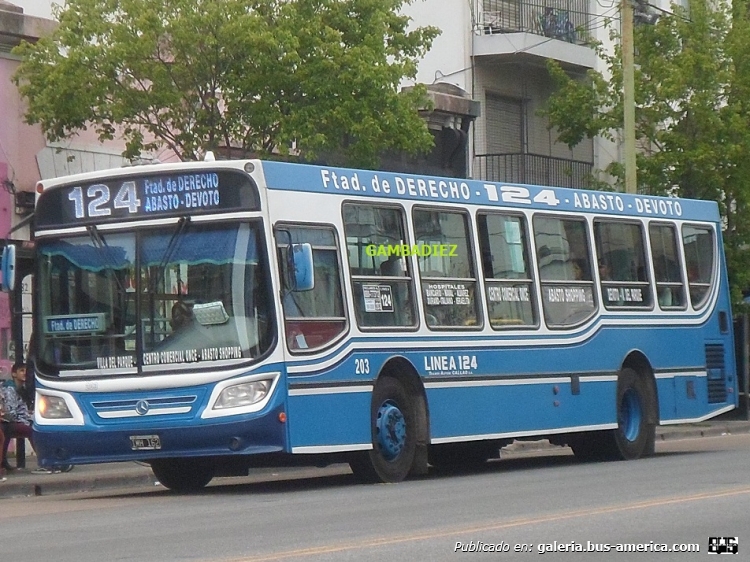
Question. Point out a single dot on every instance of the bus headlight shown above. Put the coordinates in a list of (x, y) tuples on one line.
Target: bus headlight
[(244, 394), (52, 407)]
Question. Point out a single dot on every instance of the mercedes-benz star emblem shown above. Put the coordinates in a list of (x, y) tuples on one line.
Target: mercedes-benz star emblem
[(141, 407)]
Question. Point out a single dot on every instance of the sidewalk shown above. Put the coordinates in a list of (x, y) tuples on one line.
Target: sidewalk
[(24, 482), (134, 475)]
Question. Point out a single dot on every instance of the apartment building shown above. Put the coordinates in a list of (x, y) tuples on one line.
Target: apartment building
[(497, 51)]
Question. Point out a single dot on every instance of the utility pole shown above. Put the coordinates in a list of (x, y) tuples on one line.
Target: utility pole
[(628, 98)]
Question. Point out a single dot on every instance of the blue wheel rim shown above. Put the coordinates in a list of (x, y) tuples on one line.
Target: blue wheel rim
[(629, 415), (391, 430)]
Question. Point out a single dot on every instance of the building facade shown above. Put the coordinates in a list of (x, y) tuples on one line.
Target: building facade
[(25, 158), (497, 51)]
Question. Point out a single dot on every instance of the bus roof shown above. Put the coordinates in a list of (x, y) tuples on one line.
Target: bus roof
[(460, 191), (429, 189)]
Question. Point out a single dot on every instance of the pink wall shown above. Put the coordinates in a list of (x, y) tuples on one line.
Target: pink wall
[(19, 142), (5, 200), (19, 145), (5, 211)]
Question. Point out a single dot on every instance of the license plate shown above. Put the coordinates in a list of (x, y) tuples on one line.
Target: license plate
[(145, 442)]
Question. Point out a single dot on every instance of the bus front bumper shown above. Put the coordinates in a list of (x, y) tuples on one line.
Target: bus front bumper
[(55, 445)]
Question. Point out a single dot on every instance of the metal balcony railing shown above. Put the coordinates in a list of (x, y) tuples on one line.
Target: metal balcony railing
[(532, 169), (565, 20)]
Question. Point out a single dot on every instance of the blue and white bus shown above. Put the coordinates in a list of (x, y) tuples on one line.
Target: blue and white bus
[(214, 316)]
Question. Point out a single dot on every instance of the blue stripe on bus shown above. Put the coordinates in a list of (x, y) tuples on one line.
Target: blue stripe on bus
[(516, 338)]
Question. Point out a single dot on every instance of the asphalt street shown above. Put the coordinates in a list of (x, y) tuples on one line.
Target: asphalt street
[(25, 482)]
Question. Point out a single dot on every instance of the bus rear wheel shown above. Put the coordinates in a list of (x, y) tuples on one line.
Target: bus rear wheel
[(636, 431), (393, 423), (635, 435), (183, 475)]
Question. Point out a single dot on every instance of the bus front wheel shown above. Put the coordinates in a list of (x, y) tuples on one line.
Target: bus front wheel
[(393, 423), (183, 475)]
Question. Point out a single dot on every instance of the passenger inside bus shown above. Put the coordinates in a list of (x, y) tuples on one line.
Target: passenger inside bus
[(394, 266), (604, 272), (665, 297), (181, 315)]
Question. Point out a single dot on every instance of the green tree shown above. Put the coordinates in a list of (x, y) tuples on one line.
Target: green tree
[(692, 81), (240, 77)]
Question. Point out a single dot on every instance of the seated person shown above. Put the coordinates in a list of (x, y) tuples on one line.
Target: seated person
[(18, 416), (665, 296), (394, 266), (181, 315), (605, 274), (2, 453)]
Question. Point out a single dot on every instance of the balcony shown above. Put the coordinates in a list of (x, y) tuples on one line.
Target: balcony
[(548, 29), (532, 169)]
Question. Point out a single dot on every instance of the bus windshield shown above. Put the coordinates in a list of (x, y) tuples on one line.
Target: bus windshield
[(190, 293)]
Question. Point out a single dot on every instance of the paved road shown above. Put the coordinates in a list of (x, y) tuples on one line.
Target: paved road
[(691, 490), (133, 475)]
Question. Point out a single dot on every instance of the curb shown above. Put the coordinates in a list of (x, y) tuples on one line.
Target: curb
[(663, 433), (69, 485), (688, 432)]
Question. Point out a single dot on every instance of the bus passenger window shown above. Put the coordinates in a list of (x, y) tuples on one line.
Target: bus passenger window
[(446, 265), (315, 318), (564, 263), (379, 266), (622, 263), (698, 243), (505, 265), (670, 287)]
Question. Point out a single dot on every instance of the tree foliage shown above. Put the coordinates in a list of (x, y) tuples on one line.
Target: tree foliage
[(246, 77), (692, 76)]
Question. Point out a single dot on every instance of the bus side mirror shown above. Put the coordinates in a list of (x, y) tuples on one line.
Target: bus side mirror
[(302, 267), (8, 268)]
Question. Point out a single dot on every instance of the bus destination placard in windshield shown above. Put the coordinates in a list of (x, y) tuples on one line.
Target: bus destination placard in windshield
[(153, 195), (75, 324)]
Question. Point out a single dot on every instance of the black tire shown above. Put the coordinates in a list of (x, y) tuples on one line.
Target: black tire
[(183, 475), (635, 435), (393, 423)]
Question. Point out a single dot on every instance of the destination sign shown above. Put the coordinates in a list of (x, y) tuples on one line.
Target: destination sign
[(75, 324), (464, 191), (153, 195)]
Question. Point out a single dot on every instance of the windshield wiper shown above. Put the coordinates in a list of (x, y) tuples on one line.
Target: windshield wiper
[(171, 245), (101, 244)]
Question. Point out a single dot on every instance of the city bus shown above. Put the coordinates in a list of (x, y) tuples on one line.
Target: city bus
[(211, 317)]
